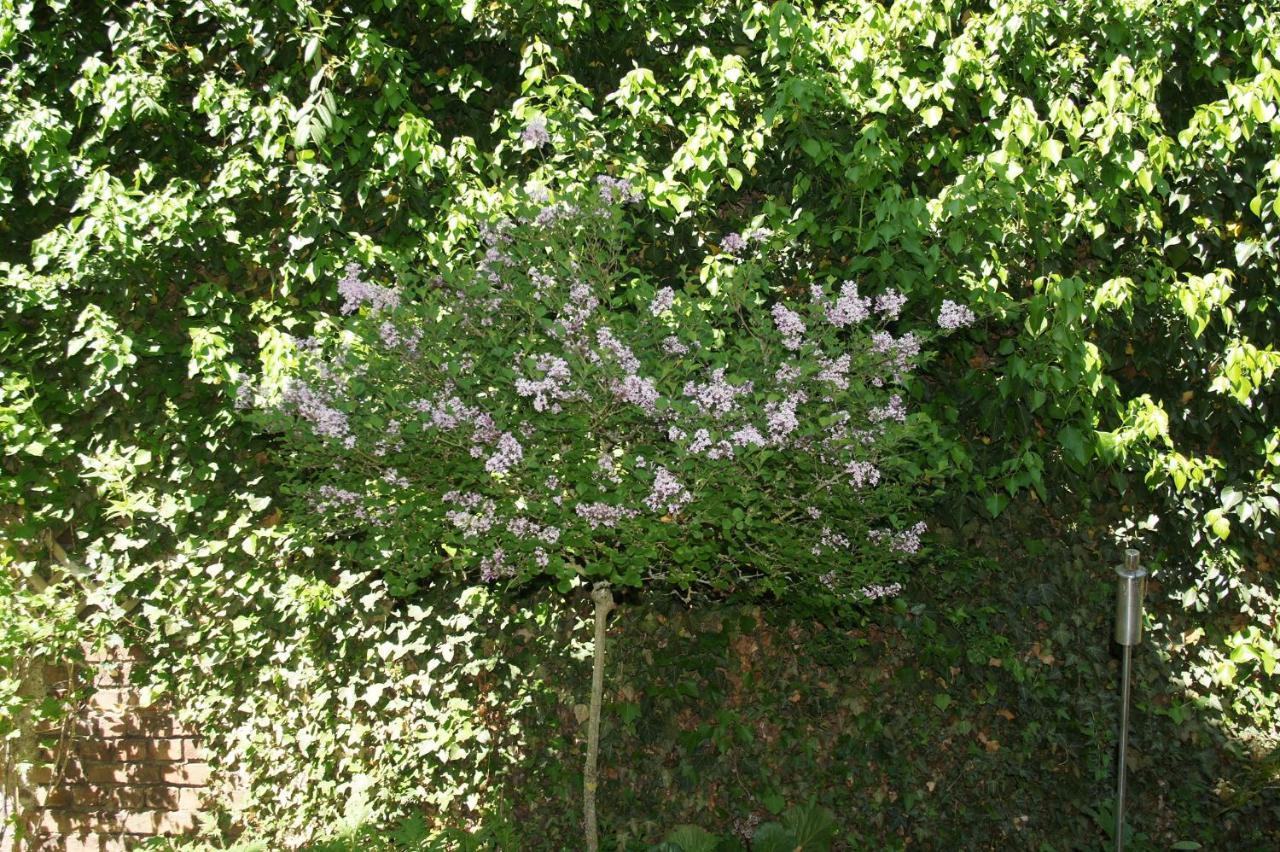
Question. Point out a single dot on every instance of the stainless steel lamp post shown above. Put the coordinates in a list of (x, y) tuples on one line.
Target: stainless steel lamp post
[(1131, 586)]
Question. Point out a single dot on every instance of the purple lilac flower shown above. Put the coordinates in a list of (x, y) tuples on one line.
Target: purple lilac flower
[(896, 410), (890, 303), (747, 436), (616, 349), (877, 591), (721, 449), (325, 420), (781, 416), (733, 243), (608, 468), (908, 541), (356, 292), (541, 558), (830, 540), (813, 512), (508, 455), (393, 339), (465, 499), (849, 308), (900, 351), (581, 305), (862, 474), (717, 397), (542, 282), (835, 371), (667, 493), (535, 133), (639, 391), (602, 514), (953, 315), (701, 441), (391, 476), (786, 374), (244, 395), (552, 388), (553, 213), (662, 301), (789, 325), (473, 524), (617, 189), (673, 346), (333, 497), (495, 566)]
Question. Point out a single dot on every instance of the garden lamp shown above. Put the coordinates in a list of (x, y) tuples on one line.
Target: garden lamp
[(1130, 587)]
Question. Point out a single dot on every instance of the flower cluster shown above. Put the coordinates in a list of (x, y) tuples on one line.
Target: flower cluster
[(550, 390), (355, 292), (954, 315), (790, 325), (535, 133)]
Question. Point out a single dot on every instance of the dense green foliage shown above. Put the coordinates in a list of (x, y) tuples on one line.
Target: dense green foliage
[(978, 711), (182, 181)]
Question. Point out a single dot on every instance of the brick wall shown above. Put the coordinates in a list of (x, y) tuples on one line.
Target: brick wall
[(127, 772)]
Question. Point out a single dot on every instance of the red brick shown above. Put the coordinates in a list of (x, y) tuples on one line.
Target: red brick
[(187, 774), (127, 773), (88, 843), (113, 698), (168, 749), (177, 798), (157, 822), (41, 774), (58, 797), (61, 822), (132, 723)]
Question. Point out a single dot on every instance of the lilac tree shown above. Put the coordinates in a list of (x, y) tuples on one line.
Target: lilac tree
[(548, 412)]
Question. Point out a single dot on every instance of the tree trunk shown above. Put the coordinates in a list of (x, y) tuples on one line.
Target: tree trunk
[(604, 604)]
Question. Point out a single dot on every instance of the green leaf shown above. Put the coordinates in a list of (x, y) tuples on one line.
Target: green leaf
[(691, 838), (772, 837), (812, 827)]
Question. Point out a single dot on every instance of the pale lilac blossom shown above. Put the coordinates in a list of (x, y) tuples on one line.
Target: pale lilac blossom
[(789, 325), (603, 515), (535, 133), (733, 243), (874, 591), (356, 292), (954, 315), (672, 345), (550, 390), (889, 304), (895, 410), (617, 189), (508, 455), (662, 301), (667, 493), (849, 308), (717, 397)]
